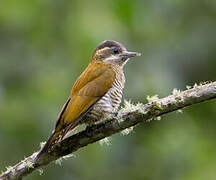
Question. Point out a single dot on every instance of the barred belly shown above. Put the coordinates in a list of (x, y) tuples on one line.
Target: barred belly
[(109, 103)]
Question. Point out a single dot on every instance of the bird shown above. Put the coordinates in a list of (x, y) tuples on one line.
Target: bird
[(96, 93)]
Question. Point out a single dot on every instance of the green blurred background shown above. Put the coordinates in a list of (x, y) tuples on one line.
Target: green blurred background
[(46, 44)]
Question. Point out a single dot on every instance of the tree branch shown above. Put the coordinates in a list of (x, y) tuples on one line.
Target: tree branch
[(127, 117)]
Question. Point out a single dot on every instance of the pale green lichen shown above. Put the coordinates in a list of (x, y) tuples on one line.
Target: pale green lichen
[(69, 156), (40, 171), (42, 144), (205, 82), (11, 169), (164, 102), (195, 85), (188, 87), (152, 98), (157, 106), (130, 107), (127, 131), (59, 161), (179, 111), (176, 92), (140, 108), (29, 164), (150, 119), (105, 141), (158, 118)]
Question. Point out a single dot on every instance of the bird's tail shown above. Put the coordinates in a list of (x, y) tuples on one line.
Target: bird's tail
[(53, 139), (57, 135)]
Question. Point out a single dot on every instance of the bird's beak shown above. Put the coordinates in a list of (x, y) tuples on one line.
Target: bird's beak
[(130, 54)]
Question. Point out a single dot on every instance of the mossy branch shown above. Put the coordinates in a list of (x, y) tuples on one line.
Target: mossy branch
[(127, 117)]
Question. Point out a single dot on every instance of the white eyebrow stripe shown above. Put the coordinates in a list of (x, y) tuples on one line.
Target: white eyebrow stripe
[(105, 48)]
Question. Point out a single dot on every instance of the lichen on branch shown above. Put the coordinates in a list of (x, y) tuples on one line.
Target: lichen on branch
[(129, 116)]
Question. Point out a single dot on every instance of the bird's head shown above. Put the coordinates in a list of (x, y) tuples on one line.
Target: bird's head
[(113, 52)]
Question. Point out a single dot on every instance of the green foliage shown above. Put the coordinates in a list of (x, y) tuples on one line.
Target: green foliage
[(45, 45)]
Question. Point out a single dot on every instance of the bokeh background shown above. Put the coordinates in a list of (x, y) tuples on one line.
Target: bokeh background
[(46, 44)]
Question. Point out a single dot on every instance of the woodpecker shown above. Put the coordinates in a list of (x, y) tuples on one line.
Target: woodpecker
[(96, 93)]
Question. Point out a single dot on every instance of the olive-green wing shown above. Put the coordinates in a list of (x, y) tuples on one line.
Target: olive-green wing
[(93, 83)]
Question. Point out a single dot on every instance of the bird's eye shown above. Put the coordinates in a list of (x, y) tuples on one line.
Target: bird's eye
[(115, 50)]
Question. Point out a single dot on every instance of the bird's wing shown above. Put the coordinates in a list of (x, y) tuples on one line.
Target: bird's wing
[(92, 84)]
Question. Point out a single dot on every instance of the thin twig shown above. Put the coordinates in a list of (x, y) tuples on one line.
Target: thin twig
[(127, 117)]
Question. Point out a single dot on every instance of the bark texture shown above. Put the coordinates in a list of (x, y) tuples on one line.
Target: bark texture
[(129, 116)]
